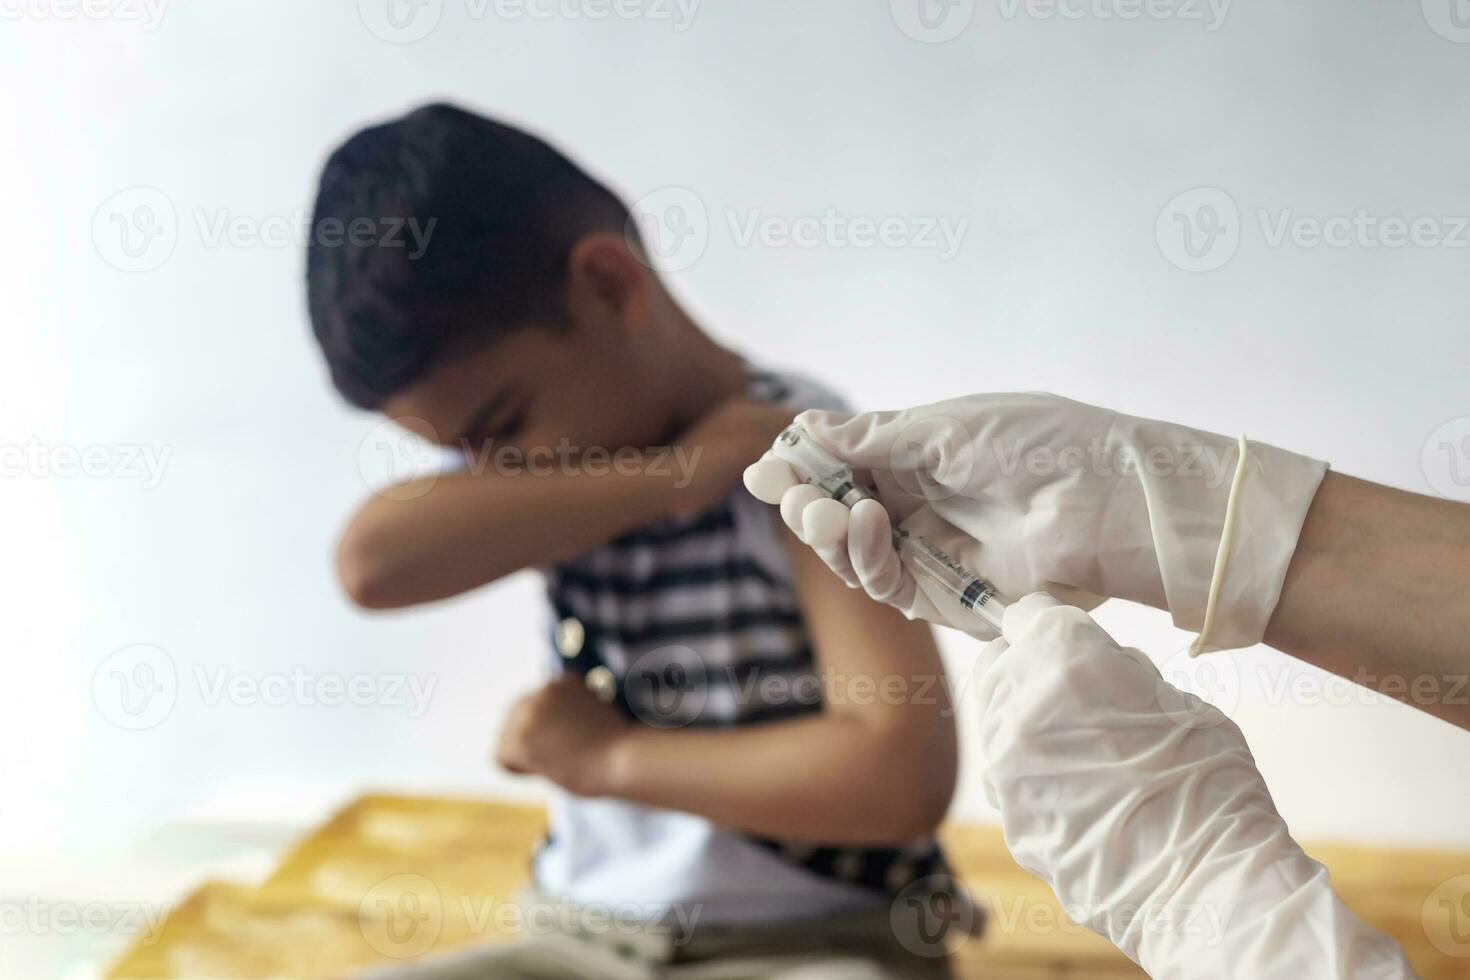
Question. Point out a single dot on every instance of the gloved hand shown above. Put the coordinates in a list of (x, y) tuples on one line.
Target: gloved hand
[(1142, 808), (1035, 492)]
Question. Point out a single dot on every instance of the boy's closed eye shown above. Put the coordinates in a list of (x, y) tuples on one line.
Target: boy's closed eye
[(499, 420)]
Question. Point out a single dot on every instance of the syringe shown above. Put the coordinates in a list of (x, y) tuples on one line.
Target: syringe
[(816, 466)]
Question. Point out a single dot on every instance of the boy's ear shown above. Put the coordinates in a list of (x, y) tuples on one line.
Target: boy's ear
[(607, 283)]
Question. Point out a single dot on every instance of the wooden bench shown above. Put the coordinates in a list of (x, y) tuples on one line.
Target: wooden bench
[(393, 877)]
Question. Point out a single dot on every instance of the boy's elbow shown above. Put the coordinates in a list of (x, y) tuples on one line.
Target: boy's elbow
[(931, 806), (367, 575), (913, 771), (918, 808), (927, 784), (908, 815)]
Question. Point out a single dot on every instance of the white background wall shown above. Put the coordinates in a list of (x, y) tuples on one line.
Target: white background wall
[(1061, 140)]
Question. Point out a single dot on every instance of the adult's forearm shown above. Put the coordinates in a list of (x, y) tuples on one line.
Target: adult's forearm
[(1378, 592)]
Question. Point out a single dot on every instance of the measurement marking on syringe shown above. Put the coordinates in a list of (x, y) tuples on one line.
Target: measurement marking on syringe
[(976, 594)]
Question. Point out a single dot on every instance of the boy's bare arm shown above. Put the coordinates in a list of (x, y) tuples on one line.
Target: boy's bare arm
[(878, 764), (466, 530)]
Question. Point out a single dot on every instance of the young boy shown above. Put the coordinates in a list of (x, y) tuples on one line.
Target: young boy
[(744, 748)]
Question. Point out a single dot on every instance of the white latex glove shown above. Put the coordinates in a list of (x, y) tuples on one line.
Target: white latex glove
[(1143, 809), (1036, 492)]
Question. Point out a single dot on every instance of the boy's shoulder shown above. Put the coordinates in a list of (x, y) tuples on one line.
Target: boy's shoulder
[(738, 528), (797, 391)]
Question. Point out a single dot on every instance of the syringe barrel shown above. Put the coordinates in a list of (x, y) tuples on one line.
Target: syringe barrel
[(968, 589), (835, 478)]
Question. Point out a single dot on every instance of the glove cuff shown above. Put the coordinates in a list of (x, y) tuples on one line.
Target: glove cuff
[(1270, 494)]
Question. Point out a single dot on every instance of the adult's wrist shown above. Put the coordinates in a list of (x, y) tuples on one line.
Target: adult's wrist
[(1264, 511)]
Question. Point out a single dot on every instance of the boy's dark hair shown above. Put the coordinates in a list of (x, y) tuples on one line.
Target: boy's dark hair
[(506, 209)]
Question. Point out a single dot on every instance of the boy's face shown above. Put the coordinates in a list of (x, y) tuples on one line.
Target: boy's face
[(579, 389)]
